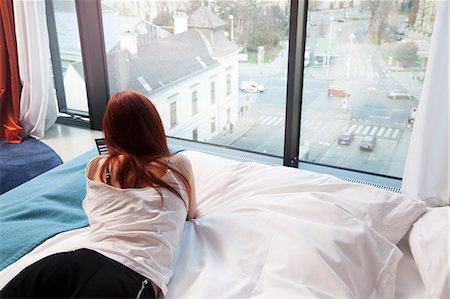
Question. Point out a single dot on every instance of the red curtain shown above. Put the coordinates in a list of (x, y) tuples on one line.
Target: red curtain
[(10, 87)]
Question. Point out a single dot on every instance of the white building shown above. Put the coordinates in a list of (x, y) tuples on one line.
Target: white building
[(191, 77)]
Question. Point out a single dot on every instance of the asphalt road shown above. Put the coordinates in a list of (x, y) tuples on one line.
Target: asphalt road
[(359, 69)]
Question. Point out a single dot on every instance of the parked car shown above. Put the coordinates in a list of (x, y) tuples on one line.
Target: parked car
[(400, 94), (368, 143), (335, 91), (346, 138), (250, 86)]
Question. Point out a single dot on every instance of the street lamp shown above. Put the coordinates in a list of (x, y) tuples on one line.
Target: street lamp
[(231, 17), (329, 46), (349, 60), (345, 103)]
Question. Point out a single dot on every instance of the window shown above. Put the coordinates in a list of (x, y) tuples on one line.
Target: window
[(173, 114), (213, 124), (165, 35), (364, 76), (212, 91), (194, 102), (195, 134), (68, 61), (228, 84), (361, 73)]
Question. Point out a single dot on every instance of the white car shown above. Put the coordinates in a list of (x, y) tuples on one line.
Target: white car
[(250, 86), (400, 94)]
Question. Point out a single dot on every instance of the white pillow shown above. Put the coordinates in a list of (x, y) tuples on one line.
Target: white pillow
[(388, 213), (429, 242)]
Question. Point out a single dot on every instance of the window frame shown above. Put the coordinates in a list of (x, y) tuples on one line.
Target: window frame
[(96, 79)]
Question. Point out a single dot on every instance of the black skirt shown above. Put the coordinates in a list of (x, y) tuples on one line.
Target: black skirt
[(81, 273)]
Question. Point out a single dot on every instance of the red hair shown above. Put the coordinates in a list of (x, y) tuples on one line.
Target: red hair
[(134, 130)]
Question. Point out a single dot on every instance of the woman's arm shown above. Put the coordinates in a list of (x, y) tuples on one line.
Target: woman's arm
[(183, 165)]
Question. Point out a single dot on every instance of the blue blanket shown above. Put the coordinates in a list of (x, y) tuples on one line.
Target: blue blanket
[(41, 208), (22, 162)]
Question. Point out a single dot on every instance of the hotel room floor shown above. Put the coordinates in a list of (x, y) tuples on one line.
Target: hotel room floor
[(69, 142)]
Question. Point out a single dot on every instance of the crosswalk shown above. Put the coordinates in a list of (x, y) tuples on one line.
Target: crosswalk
[(382, 132), (270, 120), (372, 130)]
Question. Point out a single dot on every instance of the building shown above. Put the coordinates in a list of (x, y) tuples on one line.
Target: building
[(191, 76)]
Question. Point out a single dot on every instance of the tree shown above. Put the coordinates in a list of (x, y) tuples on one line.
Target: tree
[(406, 53), (163, 19)]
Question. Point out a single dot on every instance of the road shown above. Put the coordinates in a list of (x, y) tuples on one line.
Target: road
[(357, 68)]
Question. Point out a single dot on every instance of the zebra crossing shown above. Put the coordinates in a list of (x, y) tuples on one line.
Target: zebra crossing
[(270, 120), (382, 132), (373, 130)]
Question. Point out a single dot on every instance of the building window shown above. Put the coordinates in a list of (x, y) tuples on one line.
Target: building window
[(194, 102), (228, 84), (212, 90), (173, 114), (213, 124), (195, 134)]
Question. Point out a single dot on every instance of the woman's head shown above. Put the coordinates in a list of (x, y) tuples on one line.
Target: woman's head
[(132, 126)]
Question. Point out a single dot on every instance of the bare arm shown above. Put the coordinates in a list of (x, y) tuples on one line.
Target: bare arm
[(183, 165)]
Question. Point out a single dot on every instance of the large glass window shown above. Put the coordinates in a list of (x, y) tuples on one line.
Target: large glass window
[(72, 96), (364, 66), (365, 63), (234, 52)]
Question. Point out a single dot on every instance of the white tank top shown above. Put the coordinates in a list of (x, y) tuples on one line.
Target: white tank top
[(131, 227)]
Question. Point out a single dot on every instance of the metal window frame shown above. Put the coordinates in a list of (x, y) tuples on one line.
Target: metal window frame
[(90, 26), (294, 94)]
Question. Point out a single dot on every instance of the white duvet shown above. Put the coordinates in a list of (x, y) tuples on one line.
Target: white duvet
[(274, 232)]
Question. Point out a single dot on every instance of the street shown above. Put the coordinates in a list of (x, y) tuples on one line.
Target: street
[(358, 68)]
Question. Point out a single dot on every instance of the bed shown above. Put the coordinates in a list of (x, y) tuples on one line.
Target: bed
[(261, 232)]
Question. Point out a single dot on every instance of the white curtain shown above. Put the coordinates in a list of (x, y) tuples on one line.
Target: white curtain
[(38, 106), (426, 175)]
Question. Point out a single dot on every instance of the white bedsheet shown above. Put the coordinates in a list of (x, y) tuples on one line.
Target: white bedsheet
[(257, 239)]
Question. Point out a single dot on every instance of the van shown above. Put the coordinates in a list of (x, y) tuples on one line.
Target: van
[(250, 86)]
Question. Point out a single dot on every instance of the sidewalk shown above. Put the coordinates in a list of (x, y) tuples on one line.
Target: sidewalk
[(240, 128)]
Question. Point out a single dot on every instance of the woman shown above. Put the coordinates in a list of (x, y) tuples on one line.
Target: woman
[(137, 200)]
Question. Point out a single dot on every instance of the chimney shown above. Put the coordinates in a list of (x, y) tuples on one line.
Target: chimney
[(180, 22), (128, 40)]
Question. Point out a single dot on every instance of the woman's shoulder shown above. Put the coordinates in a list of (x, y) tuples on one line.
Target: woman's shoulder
[(180, 162), (94, 165)]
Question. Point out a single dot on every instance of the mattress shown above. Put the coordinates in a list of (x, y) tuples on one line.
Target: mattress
[(261, 231)]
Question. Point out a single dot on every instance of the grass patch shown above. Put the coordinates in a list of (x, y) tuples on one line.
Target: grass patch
[(269, 56)]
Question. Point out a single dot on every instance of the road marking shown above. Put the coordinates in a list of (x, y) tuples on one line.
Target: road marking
[(388, 132), (366, 130), (352, 128), (381, 131), (264, 120), (396, 132), (372, 132), (271, 121), (278, 121), (378, 116), (358, 130)]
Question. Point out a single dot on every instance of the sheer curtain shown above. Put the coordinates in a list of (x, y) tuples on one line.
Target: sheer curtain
[(10, 128), (426, 175), (38, 106)]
